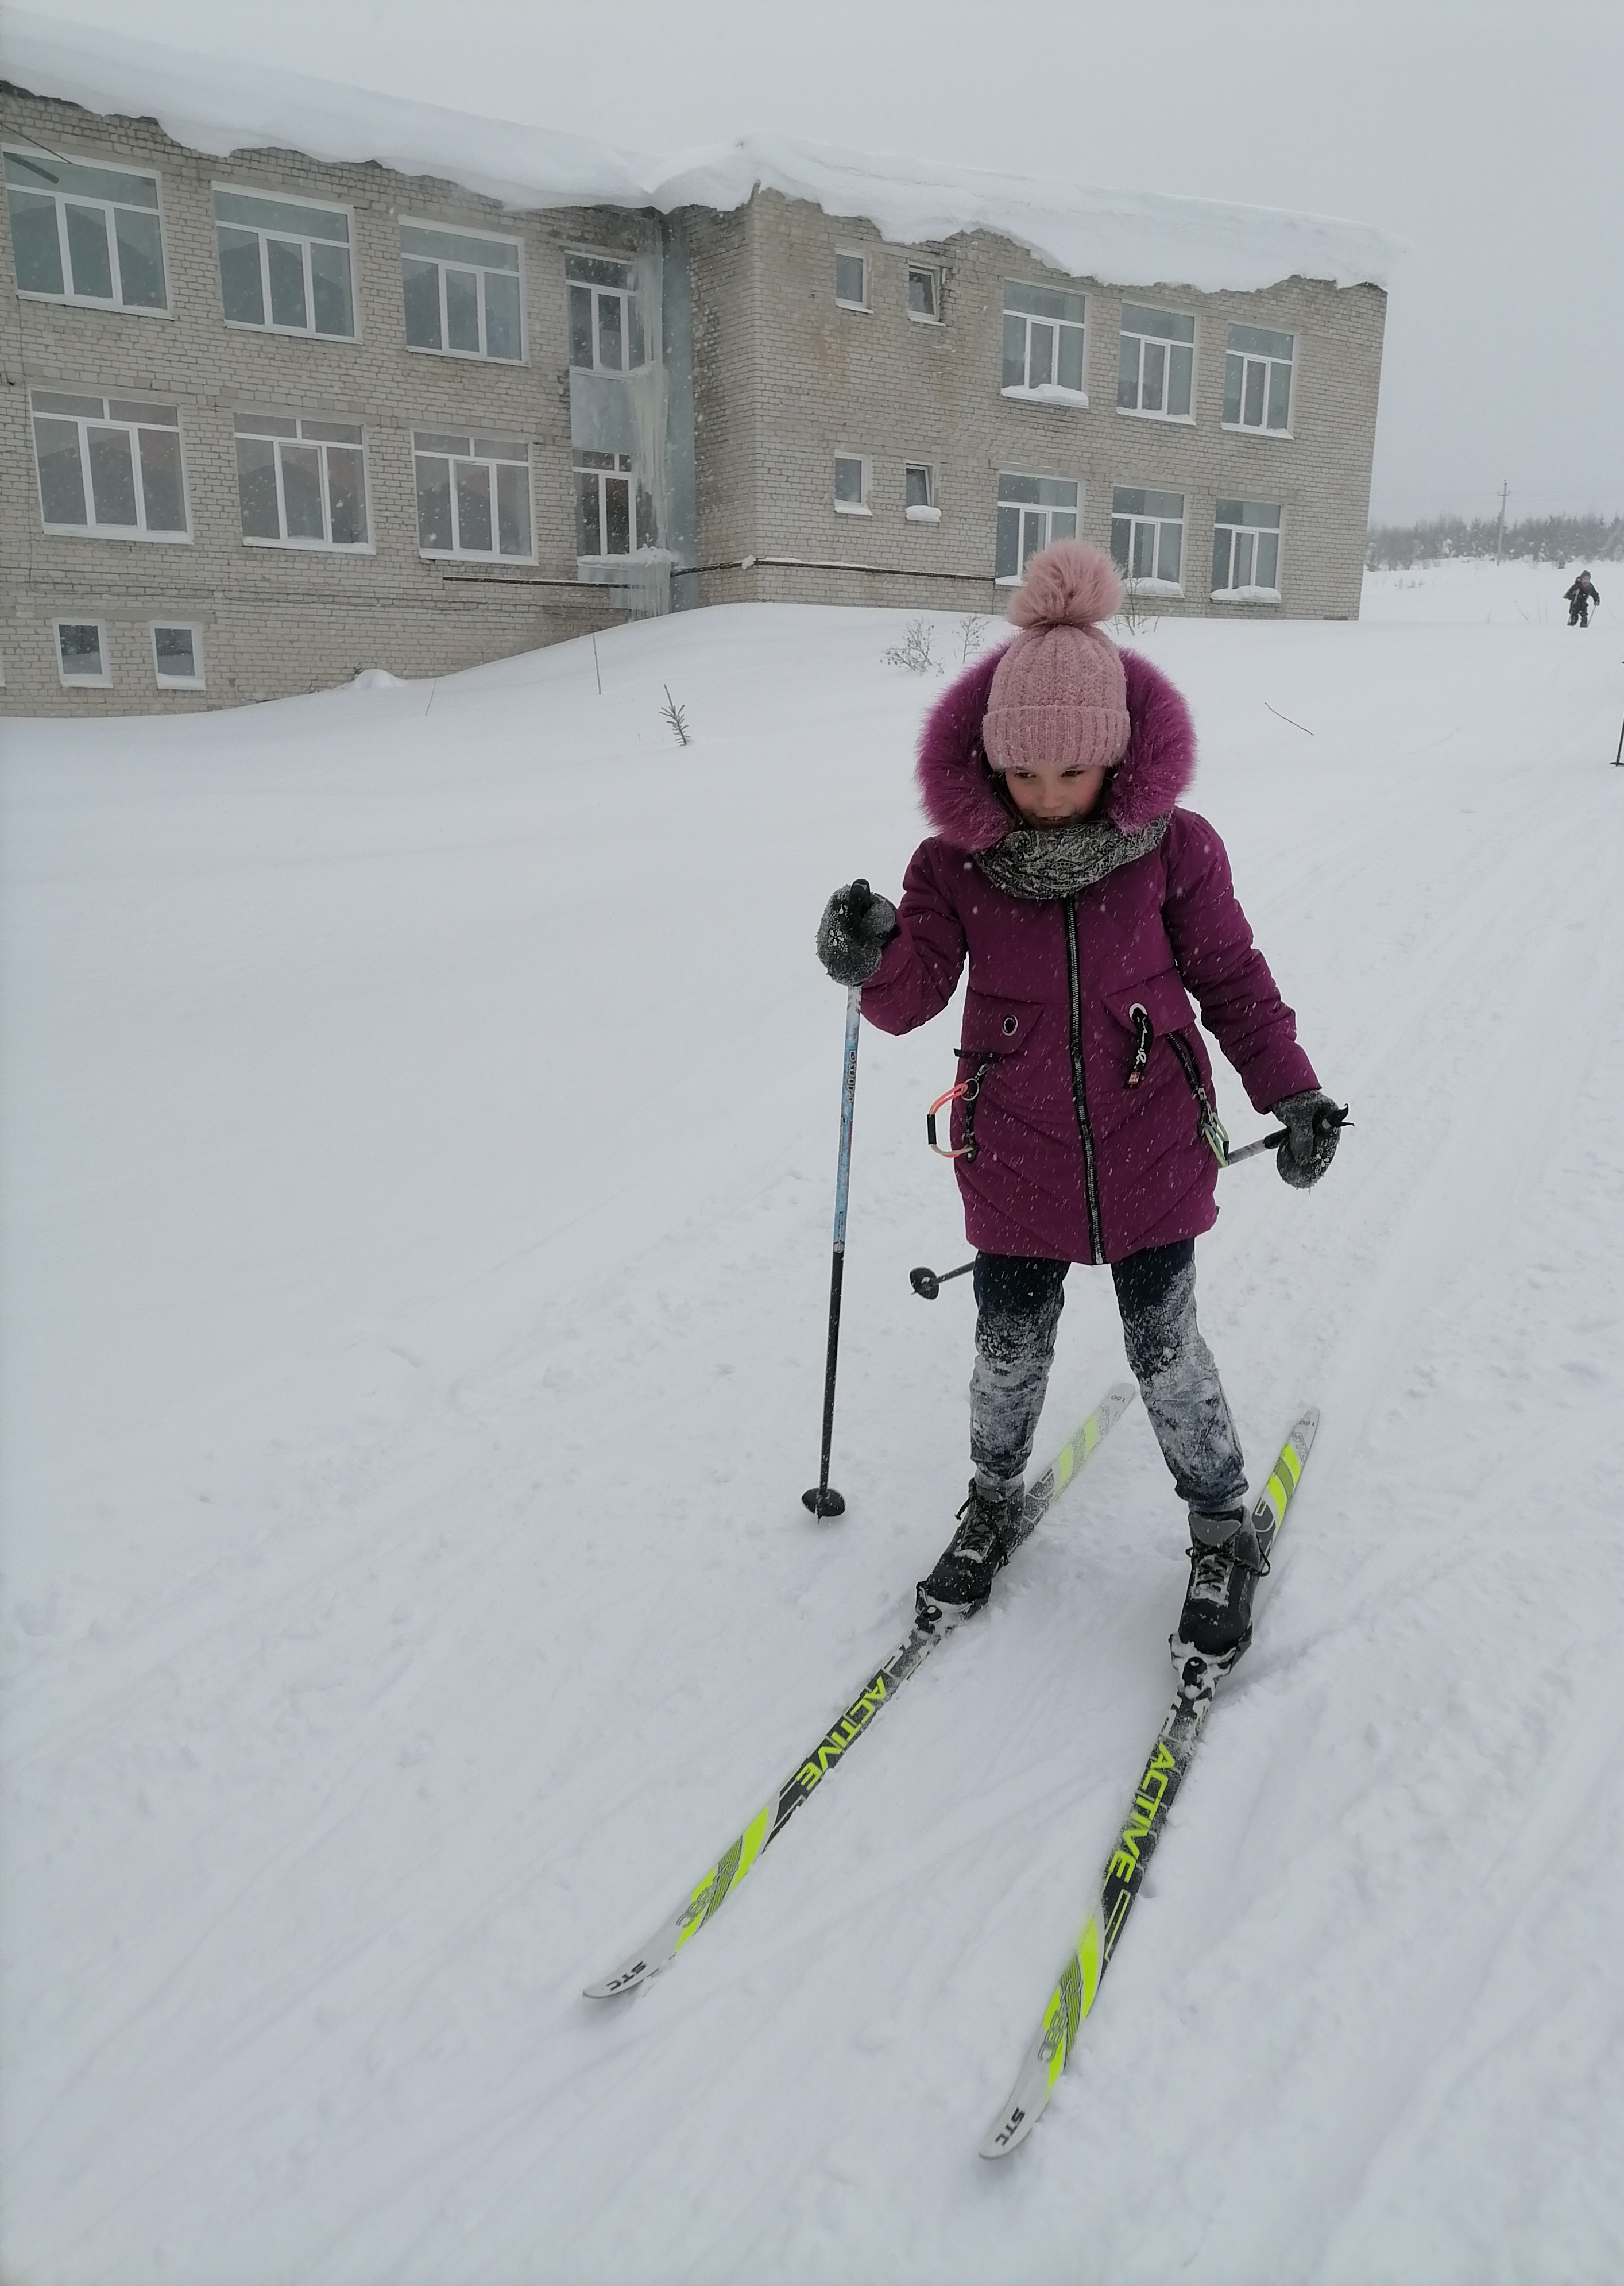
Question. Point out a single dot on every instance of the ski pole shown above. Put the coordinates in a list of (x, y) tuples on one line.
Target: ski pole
[(1251, 1150), (821, 1498), (1273, 1142), (929, 1283)]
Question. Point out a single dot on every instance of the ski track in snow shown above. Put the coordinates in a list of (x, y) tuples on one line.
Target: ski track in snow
[(418, 1137)]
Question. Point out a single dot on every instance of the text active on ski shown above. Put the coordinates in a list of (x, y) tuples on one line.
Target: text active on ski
[(1199, 1675), (707, 1898)]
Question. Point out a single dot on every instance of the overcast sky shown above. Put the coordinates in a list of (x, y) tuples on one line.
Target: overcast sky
[(1485, 132)]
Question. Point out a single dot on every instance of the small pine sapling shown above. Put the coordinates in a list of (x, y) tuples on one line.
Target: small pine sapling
[(675, 716)]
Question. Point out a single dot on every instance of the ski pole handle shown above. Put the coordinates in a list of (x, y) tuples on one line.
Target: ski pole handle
[(1273, 1142)]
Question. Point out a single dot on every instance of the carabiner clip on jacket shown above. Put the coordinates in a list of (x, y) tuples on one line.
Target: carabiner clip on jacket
[(966, 1093), (1211, 1129), (1142, 1038)]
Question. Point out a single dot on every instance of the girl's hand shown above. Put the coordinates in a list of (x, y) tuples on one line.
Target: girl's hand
[(1313, 1124), (854, 933)]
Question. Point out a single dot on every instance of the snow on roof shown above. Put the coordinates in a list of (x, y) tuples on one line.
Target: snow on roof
[(1125, 238)]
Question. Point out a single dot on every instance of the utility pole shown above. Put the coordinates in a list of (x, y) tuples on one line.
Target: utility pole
[(1500, 537)]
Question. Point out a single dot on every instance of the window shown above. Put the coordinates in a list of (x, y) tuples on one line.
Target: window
[(919, 493), (82, 654), (178, 657), (284, 265), (462, 292), (1032, 511), (473, 496), (1258, 379), (302, 483), (109, 467), (924, 293), (1155, 362), (1246, 551), (851, 485), (851, 281), (1042, 342), (606, 332), (614, 513), (83, 233), (1148, 536)]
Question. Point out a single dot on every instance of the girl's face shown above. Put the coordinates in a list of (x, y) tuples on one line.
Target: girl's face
[(1047, 793)]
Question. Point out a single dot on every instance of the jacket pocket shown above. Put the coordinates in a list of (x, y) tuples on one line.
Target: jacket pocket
[(993, 1032), (996, 1027), (1162, 998), (1146, 1013)]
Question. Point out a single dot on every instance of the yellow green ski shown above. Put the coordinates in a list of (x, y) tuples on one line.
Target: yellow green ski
[(1199, 1676), (707, 1896)]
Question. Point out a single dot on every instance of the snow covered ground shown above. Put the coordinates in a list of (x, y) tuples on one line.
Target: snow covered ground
[(1493, 595), (417, 1133)]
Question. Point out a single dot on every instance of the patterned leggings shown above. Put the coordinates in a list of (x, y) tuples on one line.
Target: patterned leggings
[(1019, 1300)]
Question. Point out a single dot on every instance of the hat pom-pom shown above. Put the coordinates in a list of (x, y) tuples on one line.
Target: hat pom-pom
[(1069, 585)]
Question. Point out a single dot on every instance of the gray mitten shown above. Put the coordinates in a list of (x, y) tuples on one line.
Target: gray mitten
[(1313, 1124), (854, 931)]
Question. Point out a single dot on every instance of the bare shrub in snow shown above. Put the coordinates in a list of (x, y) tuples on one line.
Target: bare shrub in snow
[(973, 636), (1134, 612), (916, 651)]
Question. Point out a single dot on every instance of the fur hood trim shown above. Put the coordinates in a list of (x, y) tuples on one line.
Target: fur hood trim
[(961, 794)]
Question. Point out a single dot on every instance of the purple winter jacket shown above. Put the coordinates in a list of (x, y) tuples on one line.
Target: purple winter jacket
[(1071, 1162)]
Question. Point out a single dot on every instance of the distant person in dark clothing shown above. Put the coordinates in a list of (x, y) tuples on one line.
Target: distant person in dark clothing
[(1579, 598)]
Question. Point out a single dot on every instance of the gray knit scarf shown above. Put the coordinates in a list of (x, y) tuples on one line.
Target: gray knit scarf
[(1044, 861)]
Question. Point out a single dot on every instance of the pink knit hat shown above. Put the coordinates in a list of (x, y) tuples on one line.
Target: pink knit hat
[(1059, 694)]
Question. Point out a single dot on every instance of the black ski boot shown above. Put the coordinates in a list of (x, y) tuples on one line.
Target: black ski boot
[(1217, 1617), (963, 1578)]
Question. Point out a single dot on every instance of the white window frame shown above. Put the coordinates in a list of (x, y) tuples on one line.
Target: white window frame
[(102, 682), (457, 552), (933, 271), (1042, 531), (930, 512), (109, 209), (474, 236), (624, 295), (1127, 333), (852, 254), (1252, 591), (328, 545), (264, 231), (131, 427), (1268, 360), (625, 471), (864, 507), (1150, 583), (193, 682), (1043, 392)]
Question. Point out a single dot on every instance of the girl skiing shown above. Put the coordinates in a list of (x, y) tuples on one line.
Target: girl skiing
[(1084, 1128)]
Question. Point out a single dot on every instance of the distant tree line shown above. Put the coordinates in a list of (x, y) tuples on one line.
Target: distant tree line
[(1540, 540)]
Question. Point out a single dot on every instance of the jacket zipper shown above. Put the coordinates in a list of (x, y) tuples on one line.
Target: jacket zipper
[(1079, 1086)]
